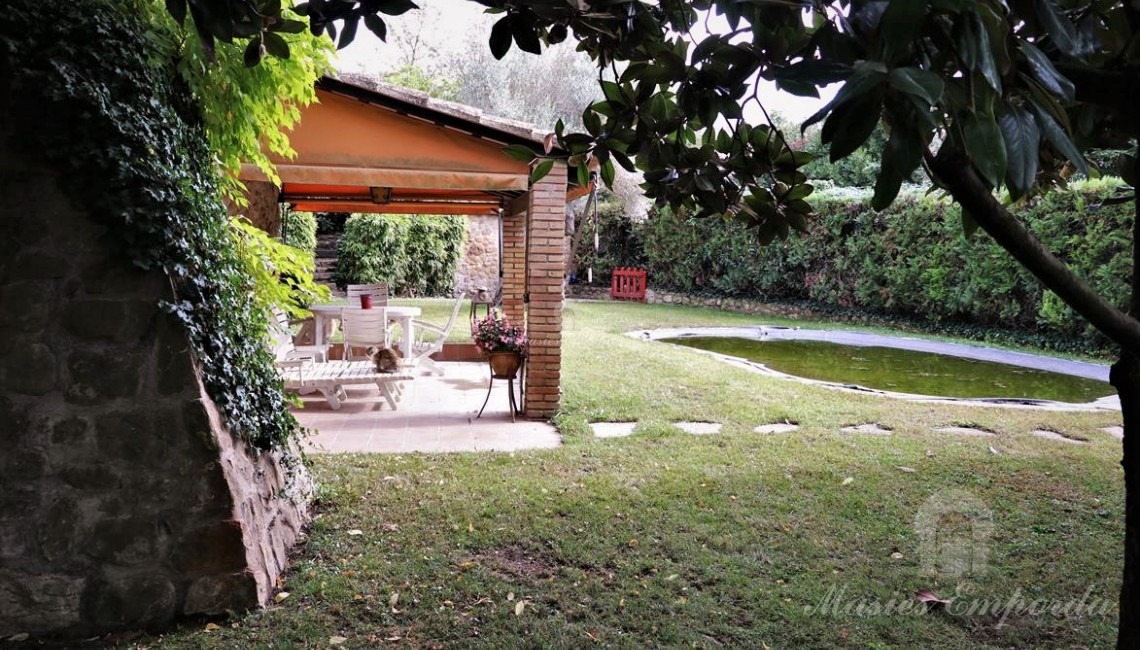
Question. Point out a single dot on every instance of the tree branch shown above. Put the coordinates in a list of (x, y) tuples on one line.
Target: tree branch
[(955, 172)]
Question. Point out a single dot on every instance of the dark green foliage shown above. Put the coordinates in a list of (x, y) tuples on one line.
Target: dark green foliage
[(299, 230), (115, 122), (909, 261), (331, 222), (416, 256), (619, 243)]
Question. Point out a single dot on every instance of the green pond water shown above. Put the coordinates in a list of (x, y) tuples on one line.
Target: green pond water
[(904, 371)]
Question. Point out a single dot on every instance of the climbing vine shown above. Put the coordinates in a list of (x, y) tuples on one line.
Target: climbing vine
[(119, 123)]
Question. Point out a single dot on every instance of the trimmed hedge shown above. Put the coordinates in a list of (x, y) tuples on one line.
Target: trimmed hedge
[(416, 256), (299, 230), (910, 261)]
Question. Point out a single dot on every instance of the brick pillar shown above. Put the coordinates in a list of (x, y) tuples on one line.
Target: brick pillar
[(514, 266), (263, 210), (545, 266)]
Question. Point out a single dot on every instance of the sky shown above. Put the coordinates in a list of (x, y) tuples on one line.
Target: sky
[(445, 26)]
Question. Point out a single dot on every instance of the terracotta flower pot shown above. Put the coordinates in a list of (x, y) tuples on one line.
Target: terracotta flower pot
[(504, 365)]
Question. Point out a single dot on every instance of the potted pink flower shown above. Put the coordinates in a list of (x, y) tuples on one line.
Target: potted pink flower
[(502, 343)]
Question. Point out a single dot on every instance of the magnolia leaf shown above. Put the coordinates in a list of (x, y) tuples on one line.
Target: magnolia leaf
[(1059, 29), (974, 47), (849, 480), (986, 147), (276, 45), (253, 53), (920, 83), (866, 76), (1057, 136), (376, 25), (519, 607), (519, 152), (542, 169), (899, 24), (1022, 140), (337, 640), (347, 33), (851, 124), (281, 596), (1044, 71), (393, 599), (500, 40)]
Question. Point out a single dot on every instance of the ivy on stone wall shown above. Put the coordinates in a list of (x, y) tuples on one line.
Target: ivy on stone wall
[(124, 135)]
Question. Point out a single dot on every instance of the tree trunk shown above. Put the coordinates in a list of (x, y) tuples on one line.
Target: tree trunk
[(1125, 378)]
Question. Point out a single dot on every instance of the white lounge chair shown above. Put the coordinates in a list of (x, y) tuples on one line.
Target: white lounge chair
[(330, 378), (430, 339)]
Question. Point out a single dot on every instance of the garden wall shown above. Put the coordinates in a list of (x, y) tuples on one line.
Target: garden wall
[(123, 501), (479, 263)]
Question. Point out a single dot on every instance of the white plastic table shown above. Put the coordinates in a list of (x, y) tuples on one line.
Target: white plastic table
[(331, 311)]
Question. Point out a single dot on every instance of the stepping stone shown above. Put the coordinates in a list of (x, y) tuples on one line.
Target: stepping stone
[(1115, 432), (1053, 435), (612, 429), (777, 427), (965, 431), (871, 428), (699, 428)]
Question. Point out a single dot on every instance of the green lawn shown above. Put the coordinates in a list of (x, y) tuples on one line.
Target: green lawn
[(729, 540)]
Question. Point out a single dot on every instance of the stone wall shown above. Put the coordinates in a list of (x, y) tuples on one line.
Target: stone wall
[(716, 302), (479, 263), (124, 503)]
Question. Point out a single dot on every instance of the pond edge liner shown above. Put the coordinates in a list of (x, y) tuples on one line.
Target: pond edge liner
[(1087, 370)]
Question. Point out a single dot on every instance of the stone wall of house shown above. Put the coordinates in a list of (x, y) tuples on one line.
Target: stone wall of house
[(124, 503), (479, 264)]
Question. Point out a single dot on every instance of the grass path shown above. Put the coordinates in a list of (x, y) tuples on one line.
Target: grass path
[(666, 539)]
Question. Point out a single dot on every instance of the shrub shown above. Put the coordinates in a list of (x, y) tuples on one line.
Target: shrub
[(299, 230), (619, 244), (416, 256), (909, 261)]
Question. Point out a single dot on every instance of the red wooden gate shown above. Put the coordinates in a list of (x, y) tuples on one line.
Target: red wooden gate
[(628, 284)]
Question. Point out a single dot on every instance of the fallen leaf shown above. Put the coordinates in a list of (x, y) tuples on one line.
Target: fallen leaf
[(393, 599), (511, 595), (633, 543), (210, 627), (22, 636), (672, 577), (929, 453), (896, 556), (356, 531), (281, 596), (849, 480), (519, 607), (928, 598), (908, 470), (337, 640), (994, 451)]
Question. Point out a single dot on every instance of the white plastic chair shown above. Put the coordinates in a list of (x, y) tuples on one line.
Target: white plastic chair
[(430, 339), (281, 335), (379, 293), (363, 329)]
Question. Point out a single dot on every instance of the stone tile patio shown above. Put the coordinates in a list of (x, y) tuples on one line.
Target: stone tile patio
[(436, 414)]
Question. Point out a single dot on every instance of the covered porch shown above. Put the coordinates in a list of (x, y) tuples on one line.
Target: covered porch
[(371, 147)]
